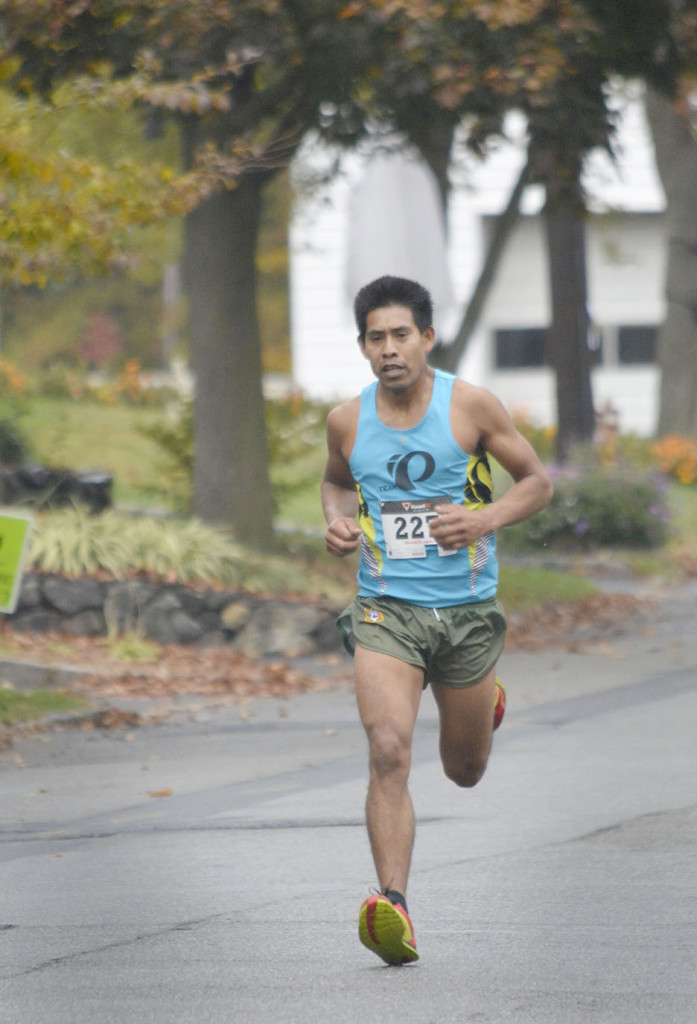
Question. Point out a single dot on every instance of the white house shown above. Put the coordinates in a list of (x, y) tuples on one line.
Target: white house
[(381, 215)]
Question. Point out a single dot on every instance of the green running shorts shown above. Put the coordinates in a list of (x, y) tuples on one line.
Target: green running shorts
[(456, 646)]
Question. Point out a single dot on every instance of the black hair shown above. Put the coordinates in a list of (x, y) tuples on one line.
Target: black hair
[(393, 291)]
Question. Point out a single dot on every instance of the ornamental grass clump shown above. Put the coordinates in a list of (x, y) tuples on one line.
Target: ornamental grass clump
[(71, 542), (597, 507)]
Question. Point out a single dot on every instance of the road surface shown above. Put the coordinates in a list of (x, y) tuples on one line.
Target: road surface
[(209, 869)]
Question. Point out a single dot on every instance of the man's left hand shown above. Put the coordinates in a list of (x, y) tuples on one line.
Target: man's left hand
[(458, 527)]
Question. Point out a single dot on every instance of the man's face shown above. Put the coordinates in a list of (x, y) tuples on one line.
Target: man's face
[(395, 347)]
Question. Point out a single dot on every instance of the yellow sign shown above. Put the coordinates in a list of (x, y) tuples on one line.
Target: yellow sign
[(15, 530)]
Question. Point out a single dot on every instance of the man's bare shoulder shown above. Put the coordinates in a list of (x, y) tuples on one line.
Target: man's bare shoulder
[(345, 416), (342, 427), (475, 401)]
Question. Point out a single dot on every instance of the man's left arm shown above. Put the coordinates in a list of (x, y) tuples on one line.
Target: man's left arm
[(457, 526)]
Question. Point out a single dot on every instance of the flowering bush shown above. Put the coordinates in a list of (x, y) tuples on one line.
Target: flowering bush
[(12, 381), (543, 439), (57, 381), (131, 386), (676, 456), (597, 506)]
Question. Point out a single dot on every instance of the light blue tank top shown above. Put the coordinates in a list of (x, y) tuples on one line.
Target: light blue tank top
[(400, 476)]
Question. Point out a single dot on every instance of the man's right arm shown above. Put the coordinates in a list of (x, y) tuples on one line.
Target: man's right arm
[(339, 497)]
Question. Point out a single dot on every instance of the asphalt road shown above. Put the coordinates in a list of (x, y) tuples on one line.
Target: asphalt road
[(562, 890)]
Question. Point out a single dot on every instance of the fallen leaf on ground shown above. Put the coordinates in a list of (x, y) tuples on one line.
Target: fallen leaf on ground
[(571, 626), (225, 672)]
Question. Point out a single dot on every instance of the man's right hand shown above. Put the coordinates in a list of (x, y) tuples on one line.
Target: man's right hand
[(342, 536)]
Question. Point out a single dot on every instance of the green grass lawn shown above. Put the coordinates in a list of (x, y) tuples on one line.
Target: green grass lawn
[(87, 436), (523, 588), (18, 706)]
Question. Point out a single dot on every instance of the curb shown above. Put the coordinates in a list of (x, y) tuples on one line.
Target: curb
[(25, 675)]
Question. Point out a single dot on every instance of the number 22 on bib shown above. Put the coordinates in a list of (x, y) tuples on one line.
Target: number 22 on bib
[(405, 525)]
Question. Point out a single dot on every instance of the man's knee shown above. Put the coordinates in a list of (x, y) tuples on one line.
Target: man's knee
[(465, 774), (390, 754)]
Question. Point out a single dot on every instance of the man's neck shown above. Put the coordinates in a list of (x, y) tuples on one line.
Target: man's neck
[(408, 407)]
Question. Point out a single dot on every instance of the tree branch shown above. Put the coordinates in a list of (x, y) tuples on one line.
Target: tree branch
[(447, 357)]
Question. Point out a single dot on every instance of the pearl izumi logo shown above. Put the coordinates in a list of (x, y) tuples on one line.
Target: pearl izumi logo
[(411, 469)]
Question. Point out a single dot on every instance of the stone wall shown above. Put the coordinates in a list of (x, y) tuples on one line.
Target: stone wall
[(171, 613)]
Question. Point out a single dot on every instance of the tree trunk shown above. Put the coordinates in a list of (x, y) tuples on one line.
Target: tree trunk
[(567, 339), (231, 481), (676, 158)]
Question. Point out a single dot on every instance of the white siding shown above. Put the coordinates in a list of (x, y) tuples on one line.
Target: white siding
[(625, 259), (327, 363)]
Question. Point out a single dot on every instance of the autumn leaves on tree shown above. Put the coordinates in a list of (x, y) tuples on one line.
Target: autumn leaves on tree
[(244, 83)]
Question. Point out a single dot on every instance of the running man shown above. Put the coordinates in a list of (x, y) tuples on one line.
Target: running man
[(407, 479)]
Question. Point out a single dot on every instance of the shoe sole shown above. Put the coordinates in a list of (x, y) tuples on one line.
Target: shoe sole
[(381, 930)]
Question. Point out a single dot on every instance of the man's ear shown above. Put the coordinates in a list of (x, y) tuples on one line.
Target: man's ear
[(361, 345), (429, 336)]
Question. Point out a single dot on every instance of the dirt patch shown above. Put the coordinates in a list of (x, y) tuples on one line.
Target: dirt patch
[(211, 672), (572, 626)]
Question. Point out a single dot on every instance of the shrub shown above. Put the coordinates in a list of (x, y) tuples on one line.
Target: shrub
[(543, 439), (174, 437), (12, 381), (676, 456), (295, 427), (597, 506), (72, 543), (14, 447), (609, 447), (57, 381)]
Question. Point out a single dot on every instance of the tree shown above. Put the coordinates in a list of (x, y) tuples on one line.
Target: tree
[(64, 214), (243, 78), (246, 80), (469, 64), (300, 58), (676, 158), (554, 61)]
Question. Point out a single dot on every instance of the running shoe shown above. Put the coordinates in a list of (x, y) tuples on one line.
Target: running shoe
[(500, 704), (385, 928)]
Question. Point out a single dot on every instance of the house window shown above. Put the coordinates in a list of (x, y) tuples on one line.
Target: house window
[(519, 347), (636, 344)]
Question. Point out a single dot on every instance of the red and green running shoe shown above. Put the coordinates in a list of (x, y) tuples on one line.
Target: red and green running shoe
[(500, 704), (385, 929)]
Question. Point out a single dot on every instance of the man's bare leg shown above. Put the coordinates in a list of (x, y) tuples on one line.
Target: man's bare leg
[(388, 692), (466, 727)]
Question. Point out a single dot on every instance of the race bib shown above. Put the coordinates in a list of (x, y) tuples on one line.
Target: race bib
[(405, 525)]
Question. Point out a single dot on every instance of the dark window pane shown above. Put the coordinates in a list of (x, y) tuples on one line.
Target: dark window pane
[(637, 344), (520, 347)]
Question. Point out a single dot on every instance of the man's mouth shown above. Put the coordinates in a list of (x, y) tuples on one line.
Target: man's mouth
[(391, 370)]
